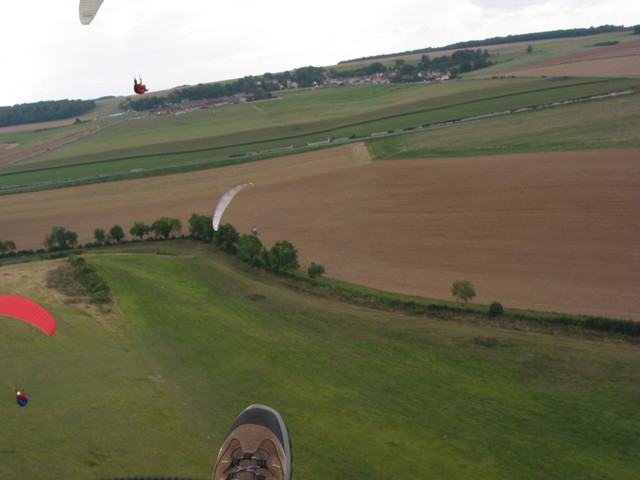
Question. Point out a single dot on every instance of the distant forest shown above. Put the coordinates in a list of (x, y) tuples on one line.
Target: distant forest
[(44, 111), (524, 37)]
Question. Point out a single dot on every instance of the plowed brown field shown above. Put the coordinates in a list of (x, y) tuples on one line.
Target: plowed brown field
[(616, 60), (555, 231)]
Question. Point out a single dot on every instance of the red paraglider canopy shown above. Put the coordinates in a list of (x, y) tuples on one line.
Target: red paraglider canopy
[(29, 311)]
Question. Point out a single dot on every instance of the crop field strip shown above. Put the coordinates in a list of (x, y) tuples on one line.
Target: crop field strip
[(546, 220), (446, 108), (447, 96), (608, 123)]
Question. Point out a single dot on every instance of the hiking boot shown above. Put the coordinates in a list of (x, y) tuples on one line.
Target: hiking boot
[(257, 447)]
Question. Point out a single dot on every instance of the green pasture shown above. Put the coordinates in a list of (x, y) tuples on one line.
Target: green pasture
[(151, 387), (213, 128), (611, 122), (305, 117)]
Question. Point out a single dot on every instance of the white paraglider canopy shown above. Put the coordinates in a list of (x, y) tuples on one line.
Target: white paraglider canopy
[(88, 10), (224, 201)]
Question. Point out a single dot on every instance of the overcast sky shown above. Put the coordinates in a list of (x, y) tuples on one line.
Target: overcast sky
[(48, 55)]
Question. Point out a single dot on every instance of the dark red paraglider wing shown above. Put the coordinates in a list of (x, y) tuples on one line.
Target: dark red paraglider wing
[(29, 311)]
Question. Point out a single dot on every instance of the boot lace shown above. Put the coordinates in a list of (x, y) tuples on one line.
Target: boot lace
[(248, 466)]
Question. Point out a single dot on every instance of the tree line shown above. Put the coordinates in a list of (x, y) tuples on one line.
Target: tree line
[(461, 61), (280, 258), (254, 88), (44, 111)]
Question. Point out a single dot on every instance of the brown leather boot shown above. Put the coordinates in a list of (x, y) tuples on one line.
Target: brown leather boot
[(257, 447)]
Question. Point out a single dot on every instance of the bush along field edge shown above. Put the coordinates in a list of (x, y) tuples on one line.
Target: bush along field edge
[(280, 263)]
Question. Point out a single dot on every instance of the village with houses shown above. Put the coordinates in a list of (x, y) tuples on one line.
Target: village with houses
[(255, 88)]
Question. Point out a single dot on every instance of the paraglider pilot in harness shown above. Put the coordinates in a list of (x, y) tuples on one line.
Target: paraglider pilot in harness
[(139, 87), (22, 398)]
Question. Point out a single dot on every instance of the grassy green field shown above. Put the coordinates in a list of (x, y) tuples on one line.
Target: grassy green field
[(299, 118), (611, 122), (152, 386)]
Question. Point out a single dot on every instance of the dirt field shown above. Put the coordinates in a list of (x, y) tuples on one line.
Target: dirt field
[(551, 231), (618, 60)]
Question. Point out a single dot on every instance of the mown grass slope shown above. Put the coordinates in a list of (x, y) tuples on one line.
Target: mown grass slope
[(193, 338)]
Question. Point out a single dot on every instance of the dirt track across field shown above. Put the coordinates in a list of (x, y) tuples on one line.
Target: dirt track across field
[(556, 231), (9, 156)]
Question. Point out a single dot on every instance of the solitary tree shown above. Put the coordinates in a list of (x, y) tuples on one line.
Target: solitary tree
[(283, 256), (99, 235), (496, 309), (226, 238), (250, 250), (200, 227), (139, 229), (7, 246), (176, 226), (315, 270), (164, 227), (116, 233), (463, 290), (61, 237)]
